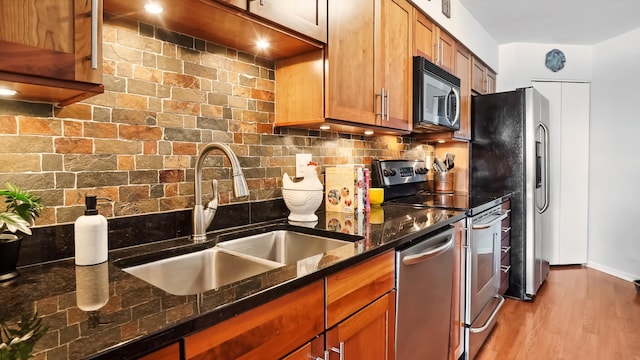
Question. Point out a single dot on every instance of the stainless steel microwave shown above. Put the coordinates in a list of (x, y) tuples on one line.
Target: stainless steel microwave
[(436, 98)]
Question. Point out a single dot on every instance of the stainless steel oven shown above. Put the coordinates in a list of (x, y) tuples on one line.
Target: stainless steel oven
[(483, 274)]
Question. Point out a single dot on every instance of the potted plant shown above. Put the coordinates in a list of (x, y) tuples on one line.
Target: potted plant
[(22, 208), (17, 342)]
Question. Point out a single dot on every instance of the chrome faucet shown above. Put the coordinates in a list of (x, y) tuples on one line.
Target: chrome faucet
[(202, 217)]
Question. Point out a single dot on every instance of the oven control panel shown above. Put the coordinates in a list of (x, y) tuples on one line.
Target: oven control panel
[(396, 172)]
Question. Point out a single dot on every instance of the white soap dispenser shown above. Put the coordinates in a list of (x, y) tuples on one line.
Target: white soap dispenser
[(90, 235)]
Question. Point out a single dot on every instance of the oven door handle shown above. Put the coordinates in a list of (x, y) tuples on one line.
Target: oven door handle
[(491, 317), (431, 253), (492, 222)]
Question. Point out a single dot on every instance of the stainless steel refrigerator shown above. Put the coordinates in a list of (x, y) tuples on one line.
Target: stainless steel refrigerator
[(510, 153)]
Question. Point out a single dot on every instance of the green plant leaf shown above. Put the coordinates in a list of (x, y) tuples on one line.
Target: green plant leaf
[(14, 222)]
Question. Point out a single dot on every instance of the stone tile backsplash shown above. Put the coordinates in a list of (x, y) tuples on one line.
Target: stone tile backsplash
[(166, 96)]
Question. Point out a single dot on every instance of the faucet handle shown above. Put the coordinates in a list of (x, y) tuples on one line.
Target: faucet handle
[(213, 204)]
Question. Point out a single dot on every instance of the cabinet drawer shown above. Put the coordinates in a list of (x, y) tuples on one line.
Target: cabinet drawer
[(355, 287), (269, 331), (504, 282), (506, 256)]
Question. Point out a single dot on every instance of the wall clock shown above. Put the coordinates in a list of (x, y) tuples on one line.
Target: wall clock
[(554, 60)]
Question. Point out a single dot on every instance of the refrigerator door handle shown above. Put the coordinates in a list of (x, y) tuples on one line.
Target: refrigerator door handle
[(545, 133)]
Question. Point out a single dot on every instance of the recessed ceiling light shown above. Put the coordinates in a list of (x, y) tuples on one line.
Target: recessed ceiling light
[(153, 8), (262, 44), (441, 141), (7, 92), (368, 132), (325, 127)]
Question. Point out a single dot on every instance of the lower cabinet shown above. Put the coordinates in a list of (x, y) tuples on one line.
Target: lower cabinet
[(359, 314), (505, 245), (269, 331), (456, 335), (368, 334), (169, 352)]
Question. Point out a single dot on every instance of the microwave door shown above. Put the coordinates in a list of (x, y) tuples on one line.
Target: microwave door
[(435, 101)]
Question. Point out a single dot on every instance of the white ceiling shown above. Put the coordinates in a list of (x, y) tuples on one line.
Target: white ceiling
[(574, 22)]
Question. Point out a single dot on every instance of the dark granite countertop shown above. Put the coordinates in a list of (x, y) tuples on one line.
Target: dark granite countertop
[(102, 312)]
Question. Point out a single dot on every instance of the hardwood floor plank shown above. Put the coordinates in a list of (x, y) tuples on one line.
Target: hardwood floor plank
[(579, 313)]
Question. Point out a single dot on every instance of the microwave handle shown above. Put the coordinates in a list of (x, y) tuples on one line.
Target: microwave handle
[(456, 94)]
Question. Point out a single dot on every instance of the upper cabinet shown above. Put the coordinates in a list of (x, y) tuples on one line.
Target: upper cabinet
[(51, 50), (288, 27), (483, 79), (432, 43), (462, 69), (306, 17), (362, 78)]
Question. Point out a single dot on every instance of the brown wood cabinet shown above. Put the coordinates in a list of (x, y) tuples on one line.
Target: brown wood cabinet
[(483, 79), (364, 73), (51, 50), (505, 245), (361, 310), (306, 17), (311, 350), (225, 22), (432, 42), (456, 336), (462, 70), (170, 352), (269, 331), (369, 334)]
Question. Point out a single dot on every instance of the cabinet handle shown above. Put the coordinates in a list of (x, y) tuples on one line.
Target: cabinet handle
[(388, 104), (441, 54), (261, 2), (340, 350), (382, 103), (94, 34), (325, 356)]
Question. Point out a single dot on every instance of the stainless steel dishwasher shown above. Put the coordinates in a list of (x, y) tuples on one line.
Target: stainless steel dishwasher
[(424, 283)]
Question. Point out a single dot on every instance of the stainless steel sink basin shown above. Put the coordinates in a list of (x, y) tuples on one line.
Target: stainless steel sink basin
[(199, 271), (238, 256), (288, 247)]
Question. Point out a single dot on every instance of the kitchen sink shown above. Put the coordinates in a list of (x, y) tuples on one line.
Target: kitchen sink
[(200, 271), (286, 246), (238, 256)]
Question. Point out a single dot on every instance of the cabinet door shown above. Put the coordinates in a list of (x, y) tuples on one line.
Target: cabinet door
[(44, 41), (491, 82), (240, 4), (394, 62), (463, 71), (354, 287), (350, 93), (369, 334), (312, 350), (424, 36), (446, 45), (170, 352), (307, 17), (456, 335), (478, 77), (269, 331)]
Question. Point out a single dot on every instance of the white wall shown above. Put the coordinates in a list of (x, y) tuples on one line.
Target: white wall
[(614, 179), (522, 62), (465, 28)]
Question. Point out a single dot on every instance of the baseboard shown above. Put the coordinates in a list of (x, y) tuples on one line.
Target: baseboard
[(611, 271)]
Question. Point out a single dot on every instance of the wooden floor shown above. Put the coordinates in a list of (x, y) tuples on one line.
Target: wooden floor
[(579, 313)]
